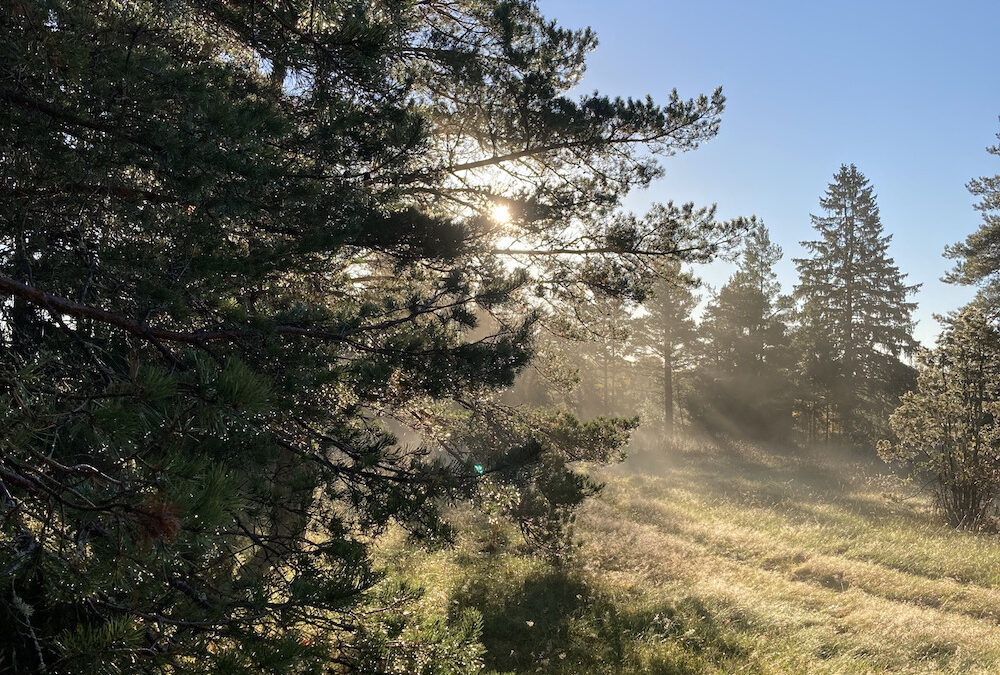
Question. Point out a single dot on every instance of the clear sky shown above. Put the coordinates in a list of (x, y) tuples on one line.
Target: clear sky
[(908, 90)]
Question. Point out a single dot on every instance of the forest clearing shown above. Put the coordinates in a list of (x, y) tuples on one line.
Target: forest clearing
[(739, 560)]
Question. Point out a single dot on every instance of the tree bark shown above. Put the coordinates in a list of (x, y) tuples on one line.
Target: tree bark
[(668, 385)]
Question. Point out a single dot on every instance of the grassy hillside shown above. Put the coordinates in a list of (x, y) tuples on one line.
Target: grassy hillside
[(735, 560)]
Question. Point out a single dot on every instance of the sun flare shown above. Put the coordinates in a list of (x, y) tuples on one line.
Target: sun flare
[(501, 214)]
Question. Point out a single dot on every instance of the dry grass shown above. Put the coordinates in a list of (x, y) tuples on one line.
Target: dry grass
[(825, 563), (737, 559)]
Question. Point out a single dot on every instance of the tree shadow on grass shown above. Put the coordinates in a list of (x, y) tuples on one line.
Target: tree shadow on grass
[(553, 621)]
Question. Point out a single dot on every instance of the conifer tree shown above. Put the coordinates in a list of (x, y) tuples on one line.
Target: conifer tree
[(855, 315), (241, 242), (600, 347), (667, 330), (949, 426), (979, 255), (744, 371)]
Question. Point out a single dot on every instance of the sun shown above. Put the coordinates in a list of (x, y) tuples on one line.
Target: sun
[(501, 214)]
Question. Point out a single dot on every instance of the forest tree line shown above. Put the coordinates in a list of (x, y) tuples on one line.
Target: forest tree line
[(825, 361), (831, 361)]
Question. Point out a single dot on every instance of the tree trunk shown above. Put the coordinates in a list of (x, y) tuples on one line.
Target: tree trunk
[(605, 389), (668, 388)]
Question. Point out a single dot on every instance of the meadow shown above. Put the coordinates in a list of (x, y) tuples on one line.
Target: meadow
[(732, 559)]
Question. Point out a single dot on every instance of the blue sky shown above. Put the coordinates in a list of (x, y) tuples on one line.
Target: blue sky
[(907, 90)]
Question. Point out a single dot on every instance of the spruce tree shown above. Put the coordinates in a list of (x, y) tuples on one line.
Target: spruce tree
[(744, 387), (242, 242), (855, 319), (599, 348)]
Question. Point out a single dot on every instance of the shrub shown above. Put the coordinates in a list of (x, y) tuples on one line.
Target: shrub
[(949, 428)]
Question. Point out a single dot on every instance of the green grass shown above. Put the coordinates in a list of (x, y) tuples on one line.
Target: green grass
[(733, 560)]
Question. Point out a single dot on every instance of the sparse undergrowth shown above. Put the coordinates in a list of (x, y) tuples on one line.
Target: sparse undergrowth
[(733, 560)]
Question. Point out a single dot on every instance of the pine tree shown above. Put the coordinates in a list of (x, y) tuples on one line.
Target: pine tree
[(600, 348), (855, 316), (949, 426), (744, 385), (979, 255), (667, 331), (242, 242)]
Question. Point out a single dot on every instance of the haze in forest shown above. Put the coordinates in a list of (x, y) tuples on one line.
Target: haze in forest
[(414, 337)]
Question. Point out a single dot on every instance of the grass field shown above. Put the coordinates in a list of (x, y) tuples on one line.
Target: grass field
[(733, 560)]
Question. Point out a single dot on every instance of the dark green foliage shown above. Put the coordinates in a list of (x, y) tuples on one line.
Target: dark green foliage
[(533, 482), (855, 317), (744, 385), (238, 242), (433, 646)]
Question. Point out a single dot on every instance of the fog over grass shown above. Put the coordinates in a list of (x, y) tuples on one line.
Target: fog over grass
[(737, 558)]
